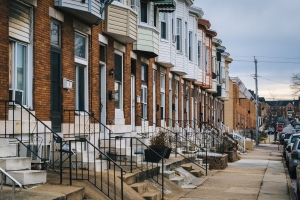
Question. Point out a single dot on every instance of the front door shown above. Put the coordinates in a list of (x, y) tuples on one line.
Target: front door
[(56, 91)]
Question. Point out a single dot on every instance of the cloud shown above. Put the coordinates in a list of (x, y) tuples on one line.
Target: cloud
[(267, 29)]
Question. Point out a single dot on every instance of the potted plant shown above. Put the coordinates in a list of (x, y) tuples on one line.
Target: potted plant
[(158, 148)]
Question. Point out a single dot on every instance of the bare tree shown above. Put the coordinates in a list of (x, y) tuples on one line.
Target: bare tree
[(295, 86)]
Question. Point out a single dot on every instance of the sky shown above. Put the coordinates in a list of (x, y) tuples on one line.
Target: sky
[(266, 29)]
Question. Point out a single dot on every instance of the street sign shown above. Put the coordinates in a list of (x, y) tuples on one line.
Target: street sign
[(279, 128)]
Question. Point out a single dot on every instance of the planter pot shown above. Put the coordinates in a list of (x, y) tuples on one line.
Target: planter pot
[(156, 155), (168, 152)]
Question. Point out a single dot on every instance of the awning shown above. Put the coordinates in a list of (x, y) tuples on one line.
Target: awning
[(165, 5)]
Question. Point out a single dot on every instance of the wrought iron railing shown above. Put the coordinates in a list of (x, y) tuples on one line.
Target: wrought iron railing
[(180, 142), (96, 167), (32, 133), (135, 154), (83, 124)]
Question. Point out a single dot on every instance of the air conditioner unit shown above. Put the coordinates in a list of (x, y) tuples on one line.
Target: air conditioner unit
[(174, 38), (16, 95), (42, 151)]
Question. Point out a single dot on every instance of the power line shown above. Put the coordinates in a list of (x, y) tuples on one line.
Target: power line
[(273, 80), (268, 61), (268, 57)]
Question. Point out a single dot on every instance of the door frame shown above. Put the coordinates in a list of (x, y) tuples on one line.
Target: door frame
[(132, 103), (102, 93)]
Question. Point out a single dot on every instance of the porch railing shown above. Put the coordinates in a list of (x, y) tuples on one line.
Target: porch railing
[(96, 167), (131, 152), (33, 134)]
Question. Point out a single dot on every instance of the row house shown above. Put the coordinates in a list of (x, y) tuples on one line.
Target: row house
[(240, 112), (90, 70)]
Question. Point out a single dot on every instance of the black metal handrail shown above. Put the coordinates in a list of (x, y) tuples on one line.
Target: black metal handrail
[(135, 157), (103, 177), (32, 139), (178, 140), (89, 129)]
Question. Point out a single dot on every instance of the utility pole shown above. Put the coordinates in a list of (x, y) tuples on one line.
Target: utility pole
[(256, 101)]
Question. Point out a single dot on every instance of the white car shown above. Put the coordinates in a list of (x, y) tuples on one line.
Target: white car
[(289, 147)]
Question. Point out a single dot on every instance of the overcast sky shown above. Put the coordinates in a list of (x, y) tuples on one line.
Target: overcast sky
[(267, 29)]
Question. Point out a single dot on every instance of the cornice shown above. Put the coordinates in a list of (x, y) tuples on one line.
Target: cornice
[(211, 32), (197, 11), (228, 60), (221, 49), (217, 42), (225, 54), (204, 22)]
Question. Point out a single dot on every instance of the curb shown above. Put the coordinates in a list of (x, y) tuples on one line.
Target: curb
[(289, 183)]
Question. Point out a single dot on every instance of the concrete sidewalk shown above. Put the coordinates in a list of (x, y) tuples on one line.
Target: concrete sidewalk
[(259, 174)]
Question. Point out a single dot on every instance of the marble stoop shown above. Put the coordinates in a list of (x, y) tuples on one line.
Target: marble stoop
[(171, 176), (15, 163), (146, 193), (9, 150), (28, 177)]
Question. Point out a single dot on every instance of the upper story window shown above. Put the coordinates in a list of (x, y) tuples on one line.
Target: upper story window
[(55, 33), (206, 60), (80, 46), (185, 37), (144, 73), (178, 35), (199, 54), (135, 5), (190, 45), (163, 25), (144, 12)]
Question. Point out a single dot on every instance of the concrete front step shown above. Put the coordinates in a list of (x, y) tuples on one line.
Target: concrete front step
[(196, 172), (187, 167), (169, 174), (15, 163), (188, 186), (152, 195), (9, 150), (140, 188), (178, 181), (28, 177)]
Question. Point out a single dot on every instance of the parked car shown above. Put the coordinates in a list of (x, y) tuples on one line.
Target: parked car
[(289, 146), (293, 157), (286, 137)]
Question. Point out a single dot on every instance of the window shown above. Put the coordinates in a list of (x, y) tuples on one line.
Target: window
[(55, 33), (103, 53), (162, 95), (163, 25), (144, 12), (135, 4), (118, 80), (144, 101), (81, 88), (80, 46), (206, 60), (190, 45), (185, 38), (199, 54), (178, 34), (18, 69), (155, 16), (144, 71)]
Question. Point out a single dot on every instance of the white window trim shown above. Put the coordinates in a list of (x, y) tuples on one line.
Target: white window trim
[(86, 87), (167, 26), (119, 112), (148, 14), (82, 61), (145, 101), (180, 35)]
